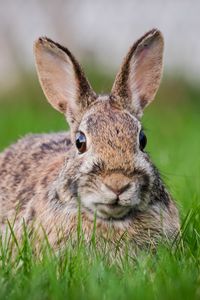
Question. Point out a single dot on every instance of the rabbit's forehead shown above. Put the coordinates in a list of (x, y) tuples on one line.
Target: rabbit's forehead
[(109, 125), (112, 121)]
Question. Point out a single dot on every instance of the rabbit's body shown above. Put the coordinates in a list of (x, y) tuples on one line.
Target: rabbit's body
[(26, 169), (44, 179), (33, 188)]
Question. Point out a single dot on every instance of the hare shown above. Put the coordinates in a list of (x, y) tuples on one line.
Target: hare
[(101, 168)]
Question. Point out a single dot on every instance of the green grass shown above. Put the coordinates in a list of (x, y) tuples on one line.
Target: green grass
[(83, 271)]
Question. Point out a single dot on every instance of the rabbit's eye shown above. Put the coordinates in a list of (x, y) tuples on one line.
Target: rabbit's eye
[(81, 142), (142, 140)]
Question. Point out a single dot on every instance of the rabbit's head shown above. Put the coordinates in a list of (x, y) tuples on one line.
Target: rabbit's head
[(114, 173)]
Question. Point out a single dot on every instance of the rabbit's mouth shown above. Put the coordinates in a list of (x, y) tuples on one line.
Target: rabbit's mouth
[(108, 205), (107, 202), (114, 210)]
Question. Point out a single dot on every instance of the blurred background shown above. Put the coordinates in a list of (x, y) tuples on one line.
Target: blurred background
[(99, 33)]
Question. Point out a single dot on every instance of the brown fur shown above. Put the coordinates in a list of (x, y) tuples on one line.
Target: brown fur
[(43, 177)]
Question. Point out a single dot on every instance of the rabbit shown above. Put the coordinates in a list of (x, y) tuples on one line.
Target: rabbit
[(100, 168)]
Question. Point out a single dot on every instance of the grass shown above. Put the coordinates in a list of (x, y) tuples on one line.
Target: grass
[(82, 271)]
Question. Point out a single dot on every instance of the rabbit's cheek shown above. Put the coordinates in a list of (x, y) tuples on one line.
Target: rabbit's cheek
[(89, 200), (131, 197)]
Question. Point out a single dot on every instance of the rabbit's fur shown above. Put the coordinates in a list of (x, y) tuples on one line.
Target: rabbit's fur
[(44, 179)]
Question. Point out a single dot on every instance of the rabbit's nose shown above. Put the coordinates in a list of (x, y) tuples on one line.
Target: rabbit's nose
[(117, 183), (118, 190)]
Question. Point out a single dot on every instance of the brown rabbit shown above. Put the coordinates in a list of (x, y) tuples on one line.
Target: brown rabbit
[(102, 166)]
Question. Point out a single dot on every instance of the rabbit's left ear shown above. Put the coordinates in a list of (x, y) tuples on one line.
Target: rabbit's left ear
[(139, 77)]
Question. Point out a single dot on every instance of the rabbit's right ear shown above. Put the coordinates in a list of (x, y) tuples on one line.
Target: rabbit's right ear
[(62, 79)]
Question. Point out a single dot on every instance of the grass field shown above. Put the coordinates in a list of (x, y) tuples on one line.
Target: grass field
[(82, 272)]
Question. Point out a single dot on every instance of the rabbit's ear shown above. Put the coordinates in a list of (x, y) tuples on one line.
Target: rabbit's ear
[(62, 79), (139, 77)]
